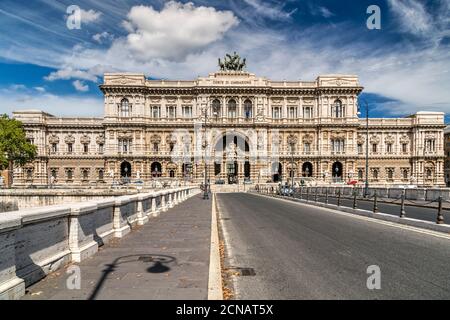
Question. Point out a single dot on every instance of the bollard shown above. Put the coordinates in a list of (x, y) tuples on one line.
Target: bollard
[(402, 205), (354, 199), (339, 198), (440, 217), (375, 203), (326, 195)]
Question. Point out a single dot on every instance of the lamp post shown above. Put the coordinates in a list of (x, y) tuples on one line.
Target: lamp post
[(366, 184), (291, 141)]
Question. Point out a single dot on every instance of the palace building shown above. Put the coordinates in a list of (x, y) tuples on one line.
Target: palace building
[(246, 128)]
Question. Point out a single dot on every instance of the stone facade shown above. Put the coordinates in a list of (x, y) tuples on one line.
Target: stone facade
[(248, 127), (447, 155)]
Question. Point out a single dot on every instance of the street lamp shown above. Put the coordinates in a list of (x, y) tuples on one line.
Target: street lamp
[(291, 141), (366, 186)]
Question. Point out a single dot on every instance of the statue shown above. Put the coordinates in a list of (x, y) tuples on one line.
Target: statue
[(232, 63)]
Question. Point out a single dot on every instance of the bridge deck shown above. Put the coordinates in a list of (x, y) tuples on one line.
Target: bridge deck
[(167, 258)]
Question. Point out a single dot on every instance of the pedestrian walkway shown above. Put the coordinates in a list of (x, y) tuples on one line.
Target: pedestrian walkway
[(167, 258)]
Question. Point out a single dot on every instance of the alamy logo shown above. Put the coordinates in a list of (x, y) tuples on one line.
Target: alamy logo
[(73, 281), (374, 280), (74, 17), (374, 20)]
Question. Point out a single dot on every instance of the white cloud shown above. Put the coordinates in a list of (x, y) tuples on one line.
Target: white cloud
[(80, 86), (88, 16), (68, 105), (176, 31), (325, 12), (412, 16), (68, 73), (102, 37), (270, 10), (39, 89)]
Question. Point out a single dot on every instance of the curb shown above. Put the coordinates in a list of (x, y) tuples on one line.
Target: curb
[(442, 228), (215, 273)]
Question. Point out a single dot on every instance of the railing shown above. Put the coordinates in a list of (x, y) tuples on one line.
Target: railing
[(29, 251), (324, 194)]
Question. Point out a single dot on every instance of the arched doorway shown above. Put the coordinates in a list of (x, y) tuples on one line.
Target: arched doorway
[(228, 150), (277, 171), (156, 169), (125, 170), (307, 169), (337, 171)]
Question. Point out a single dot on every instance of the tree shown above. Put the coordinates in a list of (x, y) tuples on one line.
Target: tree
[(15, 149)]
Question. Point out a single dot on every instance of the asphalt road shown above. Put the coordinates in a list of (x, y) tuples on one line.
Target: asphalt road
[(415, 212), (304, 252)]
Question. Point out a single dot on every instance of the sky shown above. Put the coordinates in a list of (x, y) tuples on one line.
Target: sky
[(47, 64)]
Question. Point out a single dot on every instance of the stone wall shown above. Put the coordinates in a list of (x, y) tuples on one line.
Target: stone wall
[(34, 242), (17, 199)]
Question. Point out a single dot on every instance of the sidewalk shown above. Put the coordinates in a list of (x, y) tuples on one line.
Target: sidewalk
[(167, 258)]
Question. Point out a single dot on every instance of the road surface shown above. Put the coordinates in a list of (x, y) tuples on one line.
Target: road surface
[(304, 252)]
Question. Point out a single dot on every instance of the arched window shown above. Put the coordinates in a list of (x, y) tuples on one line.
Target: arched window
[(375, 174), (172, 173), (337, 110), (405, 174), (232, 108), (390, 174), (124, 108), (216, 108), (101, 174), (248, 109), (429, 174)]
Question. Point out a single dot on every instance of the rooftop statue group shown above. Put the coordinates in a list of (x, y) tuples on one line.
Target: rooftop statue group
[(232, 63)]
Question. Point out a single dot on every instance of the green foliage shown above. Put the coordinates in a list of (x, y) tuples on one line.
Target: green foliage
[(14, 147)]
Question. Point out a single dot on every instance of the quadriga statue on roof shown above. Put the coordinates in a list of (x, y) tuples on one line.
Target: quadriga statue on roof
[(232, 63)]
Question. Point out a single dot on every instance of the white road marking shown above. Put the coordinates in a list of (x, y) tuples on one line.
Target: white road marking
[(215, 271)]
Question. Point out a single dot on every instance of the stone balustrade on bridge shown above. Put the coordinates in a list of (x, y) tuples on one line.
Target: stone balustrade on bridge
[(37, 241)]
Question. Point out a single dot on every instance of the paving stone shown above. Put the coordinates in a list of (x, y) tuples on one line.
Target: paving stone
[(167, 258)]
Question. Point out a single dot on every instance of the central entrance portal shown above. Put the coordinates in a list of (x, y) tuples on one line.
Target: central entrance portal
[(232, 158)]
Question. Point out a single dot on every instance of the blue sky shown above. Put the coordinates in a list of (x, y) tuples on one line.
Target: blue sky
[(404, 67)]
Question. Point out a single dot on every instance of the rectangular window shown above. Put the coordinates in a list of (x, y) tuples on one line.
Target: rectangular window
[(337, 146), (389, 147), (69, 147), (307, 112), (292, 112), (307, 147), (374, 148), (171, 112), (125, 145), (360, 148), (155, 112), (404, 147), (54, 148), (276, 112), (430, 145), (100, 148), (187, 112), (85, 148)]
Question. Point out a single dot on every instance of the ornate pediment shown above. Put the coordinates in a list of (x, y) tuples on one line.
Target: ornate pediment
[(430, 136), (374, 139), (69, 139), (389, 139), (125, 135), (308, 138), (53, 138), (360, 139), (155, 138), (100, 139), (171, 138), (404, 138), (292, 139), (337, 135), (85, 139)]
